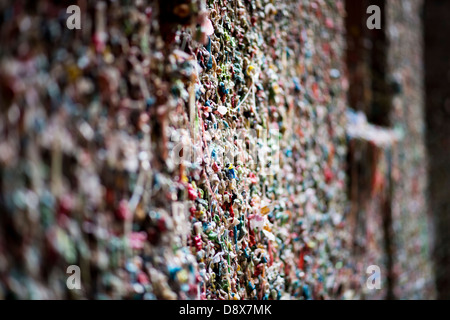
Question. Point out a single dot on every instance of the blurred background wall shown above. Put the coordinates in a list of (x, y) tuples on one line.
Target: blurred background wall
[(437, 84), (388, 168)]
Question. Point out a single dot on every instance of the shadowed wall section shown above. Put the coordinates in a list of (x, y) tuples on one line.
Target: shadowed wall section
[(437, 81)]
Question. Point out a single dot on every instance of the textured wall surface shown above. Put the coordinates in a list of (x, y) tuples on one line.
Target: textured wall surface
[(413, 266), (190, 149), (388, 161), (135, 148)]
